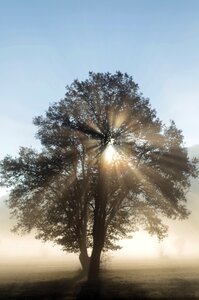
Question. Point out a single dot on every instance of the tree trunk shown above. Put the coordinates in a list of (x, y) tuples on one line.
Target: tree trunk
[(99, 231), (98, 242), (93, 273), (85, 261)]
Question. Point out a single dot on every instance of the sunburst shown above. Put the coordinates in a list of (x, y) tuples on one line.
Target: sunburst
[(110, 153)]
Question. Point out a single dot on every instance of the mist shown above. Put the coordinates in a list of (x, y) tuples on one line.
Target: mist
[(144, 268), (181, 245)]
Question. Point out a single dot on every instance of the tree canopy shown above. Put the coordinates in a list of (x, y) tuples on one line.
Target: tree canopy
[(108, 166)]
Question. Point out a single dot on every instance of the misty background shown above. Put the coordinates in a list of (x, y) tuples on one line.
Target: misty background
[(182, 242), (45, 45)]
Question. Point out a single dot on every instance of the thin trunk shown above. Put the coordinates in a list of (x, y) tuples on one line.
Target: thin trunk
[(85, 261), (98, 231), (83, 257), (94, 268), (99, 217)]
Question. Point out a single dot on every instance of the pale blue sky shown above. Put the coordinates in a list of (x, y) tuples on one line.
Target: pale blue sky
[(45, 45)]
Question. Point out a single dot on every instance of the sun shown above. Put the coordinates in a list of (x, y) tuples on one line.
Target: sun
[(110, 153)]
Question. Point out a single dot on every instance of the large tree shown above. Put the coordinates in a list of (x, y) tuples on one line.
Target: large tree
[(108, 166)]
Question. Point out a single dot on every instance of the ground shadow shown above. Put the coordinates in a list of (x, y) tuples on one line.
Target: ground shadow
[(108, 290), (113, 288), (42, 290)]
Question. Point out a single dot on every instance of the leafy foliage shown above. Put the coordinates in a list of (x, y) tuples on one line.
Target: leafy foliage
[(108, 167)]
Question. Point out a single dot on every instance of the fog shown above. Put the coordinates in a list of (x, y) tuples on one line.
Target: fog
[(181, 245)]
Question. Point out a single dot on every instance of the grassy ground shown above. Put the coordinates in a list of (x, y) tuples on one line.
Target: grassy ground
[(42, 283), (138, 283)]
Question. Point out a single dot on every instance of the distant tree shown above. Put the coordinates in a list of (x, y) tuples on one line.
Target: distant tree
[(108, 166)]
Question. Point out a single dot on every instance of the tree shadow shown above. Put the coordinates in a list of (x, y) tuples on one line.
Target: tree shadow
[(108, 290), (119, 290), (105, 289), (41, 290)]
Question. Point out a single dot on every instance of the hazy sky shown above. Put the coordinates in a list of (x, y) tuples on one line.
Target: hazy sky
[(45, 45)]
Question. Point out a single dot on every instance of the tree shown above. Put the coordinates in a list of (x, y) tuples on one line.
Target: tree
[(108, 166)]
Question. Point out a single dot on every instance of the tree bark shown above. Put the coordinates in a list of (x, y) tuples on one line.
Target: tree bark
[(94, 268), (85, 262), (83, 256), (98, 242), (98, 230)]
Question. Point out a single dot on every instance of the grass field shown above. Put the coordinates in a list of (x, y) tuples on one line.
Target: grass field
[(46, 283)]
